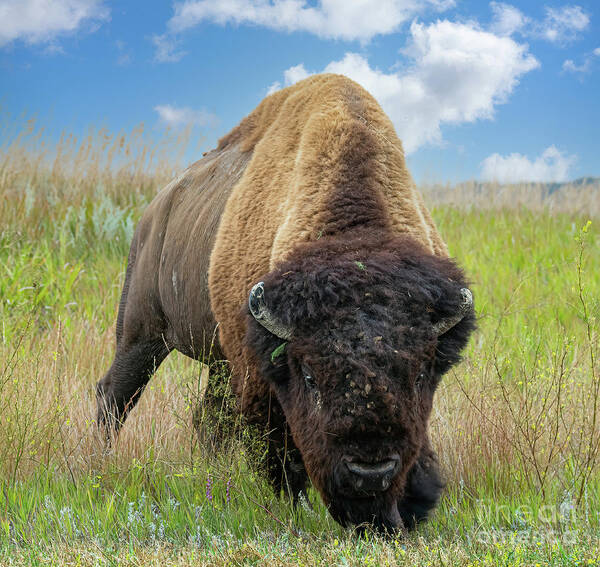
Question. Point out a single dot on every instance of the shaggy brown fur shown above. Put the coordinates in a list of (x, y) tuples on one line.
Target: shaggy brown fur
[(311, 195)]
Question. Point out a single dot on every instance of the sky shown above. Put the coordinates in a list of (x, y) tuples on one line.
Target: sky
[(476, 90)]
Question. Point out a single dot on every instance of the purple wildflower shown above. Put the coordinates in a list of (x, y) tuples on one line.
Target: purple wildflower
[(209, 496), (228, 496)]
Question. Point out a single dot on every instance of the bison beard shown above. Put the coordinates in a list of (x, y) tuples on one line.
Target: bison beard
[(356, 378)]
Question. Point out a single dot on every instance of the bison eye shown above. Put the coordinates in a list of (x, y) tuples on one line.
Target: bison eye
[(308, 378)]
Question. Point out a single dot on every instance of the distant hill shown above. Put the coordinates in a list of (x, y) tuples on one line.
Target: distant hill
[(580, 182), (580, 196)]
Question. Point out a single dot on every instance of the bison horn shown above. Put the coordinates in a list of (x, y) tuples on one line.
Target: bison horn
[(466, 304), (260, 311)]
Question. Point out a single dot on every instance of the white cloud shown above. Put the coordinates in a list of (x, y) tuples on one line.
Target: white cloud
[(559, 25), (178, 117), (338, 19), (41, 21), (585, 67), (552, 165), (507, 19), (166, 49), (562, 25), (459, 74), (124, 57), (273, 87), (295, 74), (571, 67), (290, 76)]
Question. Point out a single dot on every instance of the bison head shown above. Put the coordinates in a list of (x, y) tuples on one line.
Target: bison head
[(353, 339)]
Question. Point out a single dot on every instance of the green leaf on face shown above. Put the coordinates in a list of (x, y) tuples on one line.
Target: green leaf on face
[(278, 351), (360, 265)]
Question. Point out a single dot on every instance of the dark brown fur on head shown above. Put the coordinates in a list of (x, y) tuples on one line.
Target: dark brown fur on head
[(362, 312)]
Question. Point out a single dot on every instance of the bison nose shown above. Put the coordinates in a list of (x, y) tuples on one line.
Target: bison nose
[(371, 477)]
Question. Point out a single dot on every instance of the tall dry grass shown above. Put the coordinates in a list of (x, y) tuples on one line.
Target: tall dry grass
[(42, 180), (76, 167)]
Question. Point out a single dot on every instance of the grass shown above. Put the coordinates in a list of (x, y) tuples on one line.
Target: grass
[(516, 424)]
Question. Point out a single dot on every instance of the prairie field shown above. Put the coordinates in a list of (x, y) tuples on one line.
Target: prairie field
[(516, 424)]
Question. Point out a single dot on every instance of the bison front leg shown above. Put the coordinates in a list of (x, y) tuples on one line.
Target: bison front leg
[(215, 418), (284, 464), (280, 459)]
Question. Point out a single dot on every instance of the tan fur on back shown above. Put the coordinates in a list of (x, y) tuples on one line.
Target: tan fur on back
[(300, 138)]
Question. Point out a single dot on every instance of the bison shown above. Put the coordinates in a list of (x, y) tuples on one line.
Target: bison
[(302, 240)]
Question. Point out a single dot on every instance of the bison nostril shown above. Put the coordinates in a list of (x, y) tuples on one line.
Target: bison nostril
[(371, 477), (370, 470)]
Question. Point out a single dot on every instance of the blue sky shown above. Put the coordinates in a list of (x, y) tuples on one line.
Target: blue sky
[(505, 91)]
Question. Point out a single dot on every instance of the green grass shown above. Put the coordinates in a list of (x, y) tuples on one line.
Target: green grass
[(158, 514), (516, 424)]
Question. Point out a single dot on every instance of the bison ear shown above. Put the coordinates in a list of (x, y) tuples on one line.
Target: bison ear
[(262, 314), (464, 308)]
